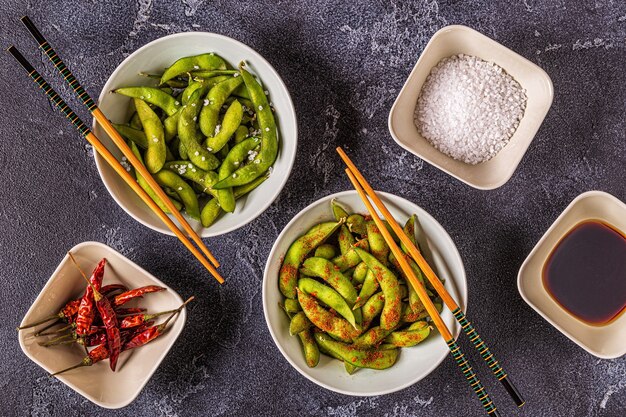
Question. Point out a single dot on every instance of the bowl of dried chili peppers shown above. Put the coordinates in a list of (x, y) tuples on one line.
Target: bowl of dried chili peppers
[(102, 325)]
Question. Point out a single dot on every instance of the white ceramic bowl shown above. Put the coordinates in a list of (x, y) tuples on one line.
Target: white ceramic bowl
[(414, 363), (606, 341), (453, 40), (98, 383), (154, 58)]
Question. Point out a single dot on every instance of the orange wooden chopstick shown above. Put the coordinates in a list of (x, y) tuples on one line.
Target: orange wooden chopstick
[(113, 134), (415, 253), (455, 349), (110, 159)]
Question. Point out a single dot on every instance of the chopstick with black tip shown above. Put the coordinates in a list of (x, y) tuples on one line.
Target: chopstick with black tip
[(113, 134), (415, 253), (108, 156), (455, 349)]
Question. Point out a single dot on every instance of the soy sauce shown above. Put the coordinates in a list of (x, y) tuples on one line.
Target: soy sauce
[(586, 272)]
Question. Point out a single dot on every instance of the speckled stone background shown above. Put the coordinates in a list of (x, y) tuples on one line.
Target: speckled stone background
[(344, 63)]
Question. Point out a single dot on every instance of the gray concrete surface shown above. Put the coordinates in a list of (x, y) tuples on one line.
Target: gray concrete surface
[(344, 63)]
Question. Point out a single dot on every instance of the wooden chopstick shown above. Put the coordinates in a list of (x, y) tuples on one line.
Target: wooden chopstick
[(113, 134), (415, 253), (455, 349), (109, 158)]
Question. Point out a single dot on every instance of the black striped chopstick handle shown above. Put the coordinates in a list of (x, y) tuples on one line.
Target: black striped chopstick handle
[(472, 378), (486, 354), (59, 64), (52, 95)]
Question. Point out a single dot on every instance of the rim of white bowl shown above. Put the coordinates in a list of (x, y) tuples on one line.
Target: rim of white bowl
[(206, 231), (463, 293)]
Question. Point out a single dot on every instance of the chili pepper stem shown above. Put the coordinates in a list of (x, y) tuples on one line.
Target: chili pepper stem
[(56, 340), (163, 325), (47, 319), (62, 329), (78, 365), (96, 294)]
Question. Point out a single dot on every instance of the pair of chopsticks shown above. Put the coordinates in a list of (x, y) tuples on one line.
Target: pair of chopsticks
[(365, 190), (206, 258)]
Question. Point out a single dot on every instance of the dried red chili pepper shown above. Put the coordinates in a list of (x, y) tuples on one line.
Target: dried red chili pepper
[(86, 313), (107, 314), (68, 311), (96, 355), (137, 319), (125, 297), (129, 310), (111, 288)]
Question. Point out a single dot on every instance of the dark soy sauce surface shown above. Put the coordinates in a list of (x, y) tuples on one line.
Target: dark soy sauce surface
[(586, 272)]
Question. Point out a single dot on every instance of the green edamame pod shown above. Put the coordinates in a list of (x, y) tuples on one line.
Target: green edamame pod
[(288, 276), (328, 296), (372, 337), (207, 75), (323, 268), (390, 316), (134, 121), (359, 273), (326, 251), (350, 369), (241, 91), (139, 138), (361, 357), (235, 157), (185, 192), (409, 230), (337, 327), (154, 157), (350, 259), (370, 286), (212, 209), (240, 134), (356, 224), (230, 123), (418, 332), (310, 348), (190, 137), (298, 323), (152, 95), (410, 316), (338, 211), (208, 62), (292, 306), (269, 136), (170, 125), (144, 184), (213, 103), (378, 245), (345, 239), (414, 301), (372, 308), (188, 170), (176, 83)]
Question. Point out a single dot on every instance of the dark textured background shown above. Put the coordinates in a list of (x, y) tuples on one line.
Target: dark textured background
[(344, 64)]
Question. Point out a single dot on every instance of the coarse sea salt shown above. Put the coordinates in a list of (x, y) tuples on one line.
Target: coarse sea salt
[(469, 108)]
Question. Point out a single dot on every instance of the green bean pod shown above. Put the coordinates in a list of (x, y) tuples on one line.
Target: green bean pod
[(390, 316), (369, 287), (299, 249), (153, 96), (310, 348), (350, 259), (337, 327), (209, 62), (328, 296), (356, 224), (326, 251), (146, 187), (235, 157), (269, 136), (345, 239), (213, 103), (154, 157), (230, 123), (378, 245), (298, 323), (361, 357), (185, 192), (372, 308), (190, 137), (418, 332)]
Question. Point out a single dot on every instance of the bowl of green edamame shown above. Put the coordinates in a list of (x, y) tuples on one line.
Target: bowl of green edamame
[(338, 307), (213, 123)]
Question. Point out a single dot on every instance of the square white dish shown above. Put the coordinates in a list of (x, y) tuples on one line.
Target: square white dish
[(606, 341), (454, 40), (98, 383)]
